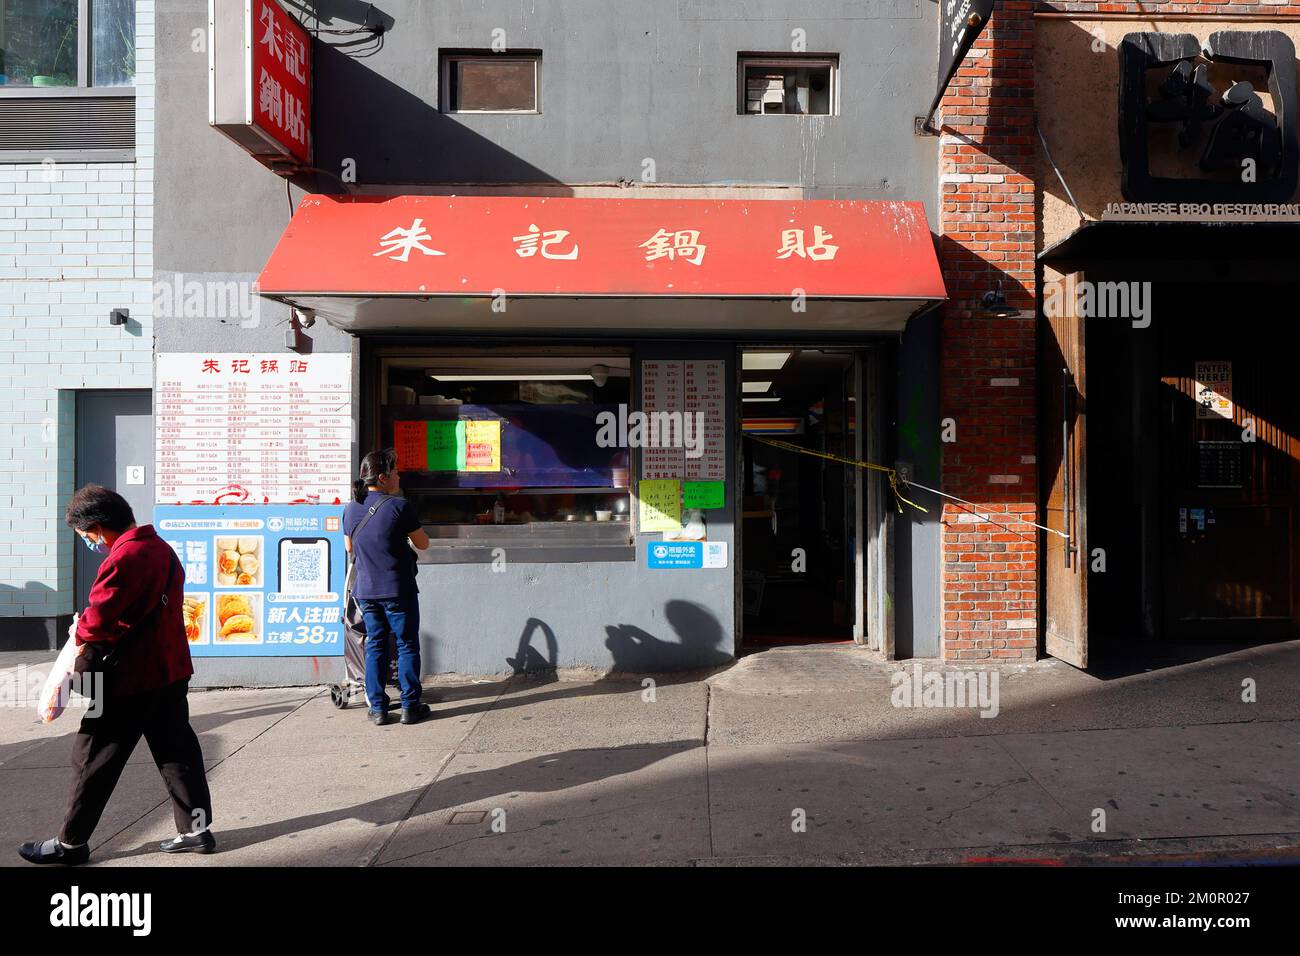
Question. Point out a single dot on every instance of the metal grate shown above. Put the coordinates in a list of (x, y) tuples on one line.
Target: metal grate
[(468, 816), (74, 123)]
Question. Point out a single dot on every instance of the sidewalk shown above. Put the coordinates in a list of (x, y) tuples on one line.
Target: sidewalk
[(714, 770)]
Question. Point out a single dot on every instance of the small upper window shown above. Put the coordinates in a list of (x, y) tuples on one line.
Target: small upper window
[(485, 82), (801, 85), (67, 43)]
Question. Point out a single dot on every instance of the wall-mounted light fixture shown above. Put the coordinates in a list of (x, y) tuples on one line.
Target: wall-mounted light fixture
[(994, 303), (294, 338), (119, 316)]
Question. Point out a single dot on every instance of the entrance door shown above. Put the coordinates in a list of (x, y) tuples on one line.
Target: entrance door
[(115, 444), (1064, 475), (1229, 469), (800, 541)]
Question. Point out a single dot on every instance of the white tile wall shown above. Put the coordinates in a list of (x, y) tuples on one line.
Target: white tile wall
[(75, 243)]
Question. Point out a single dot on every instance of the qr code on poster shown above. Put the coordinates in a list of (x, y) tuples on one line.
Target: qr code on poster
[(304, 567)]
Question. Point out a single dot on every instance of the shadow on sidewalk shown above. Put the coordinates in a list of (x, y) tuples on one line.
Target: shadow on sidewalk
[(580, 767)]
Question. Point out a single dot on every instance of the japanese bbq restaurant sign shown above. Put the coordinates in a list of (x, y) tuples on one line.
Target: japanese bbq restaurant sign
[(259, 79), (368, 263)]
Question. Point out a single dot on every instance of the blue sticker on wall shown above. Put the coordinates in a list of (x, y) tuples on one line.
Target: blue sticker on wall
[(685, 555)]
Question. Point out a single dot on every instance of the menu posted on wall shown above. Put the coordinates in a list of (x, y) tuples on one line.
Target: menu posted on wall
[(662, 395), (705, 398), (692, 394), (253, 428)]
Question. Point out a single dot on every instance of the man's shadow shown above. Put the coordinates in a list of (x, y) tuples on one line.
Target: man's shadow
[(699, 643)]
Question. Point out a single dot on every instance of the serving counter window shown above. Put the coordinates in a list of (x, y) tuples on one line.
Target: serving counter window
[(508, 452)]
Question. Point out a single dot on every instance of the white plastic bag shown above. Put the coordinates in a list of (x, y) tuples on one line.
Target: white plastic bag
[(58, 686)]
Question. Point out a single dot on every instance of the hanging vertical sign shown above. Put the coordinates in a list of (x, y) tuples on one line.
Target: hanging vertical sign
[(960, 24), (259, 79)]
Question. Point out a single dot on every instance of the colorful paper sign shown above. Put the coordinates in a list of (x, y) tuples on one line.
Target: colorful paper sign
[(661, 504), (448, 445), (410, 441), (705, 495), (260, 580), (444, 448), (482, 446)]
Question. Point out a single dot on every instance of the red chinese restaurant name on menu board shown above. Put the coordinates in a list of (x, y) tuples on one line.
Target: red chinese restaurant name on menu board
[(241, 428)]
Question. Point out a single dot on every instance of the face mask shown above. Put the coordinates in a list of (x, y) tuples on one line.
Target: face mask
[(95, 546)]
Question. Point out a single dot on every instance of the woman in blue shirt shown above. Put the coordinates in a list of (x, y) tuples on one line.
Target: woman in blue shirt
[(384, 586)]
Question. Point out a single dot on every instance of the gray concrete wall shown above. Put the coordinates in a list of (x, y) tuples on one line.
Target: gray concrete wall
[(618, 615), (622, 81)]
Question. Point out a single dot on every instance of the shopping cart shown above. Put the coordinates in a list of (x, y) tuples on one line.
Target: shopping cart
[(353, 686)]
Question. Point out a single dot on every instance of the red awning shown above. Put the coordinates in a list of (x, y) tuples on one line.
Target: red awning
[(506, 262)]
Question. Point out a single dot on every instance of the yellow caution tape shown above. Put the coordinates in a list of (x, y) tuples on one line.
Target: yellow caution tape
[(890, 473), (895, 479)]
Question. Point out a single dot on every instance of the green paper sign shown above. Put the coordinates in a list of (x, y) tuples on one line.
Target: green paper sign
[(446, 446), (704, 495)]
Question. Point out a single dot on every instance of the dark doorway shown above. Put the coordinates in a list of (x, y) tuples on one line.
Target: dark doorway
[(799, 537), (115, 445), (1194, 489)]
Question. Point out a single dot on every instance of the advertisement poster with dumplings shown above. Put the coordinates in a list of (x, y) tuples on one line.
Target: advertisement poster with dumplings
[(260, 580)]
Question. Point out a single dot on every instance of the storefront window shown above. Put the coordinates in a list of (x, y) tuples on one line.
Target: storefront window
[(510, 448)]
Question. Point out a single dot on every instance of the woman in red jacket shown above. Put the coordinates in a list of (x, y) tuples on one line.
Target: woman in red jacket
[(135, 619)]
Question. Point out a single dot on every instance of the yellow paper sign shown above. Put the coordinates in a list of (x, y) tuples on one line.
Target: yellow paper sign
[(483, 446), (661, 504)]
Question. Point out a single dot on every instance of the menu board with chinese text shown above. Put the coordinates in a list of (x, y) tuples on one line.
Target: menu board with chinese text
[(253, 428), (691, 395), (662, 391), (705, 395)]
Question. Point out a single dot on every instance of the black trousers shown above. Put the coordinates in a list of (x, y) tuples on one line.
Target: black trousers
[(104, 744)]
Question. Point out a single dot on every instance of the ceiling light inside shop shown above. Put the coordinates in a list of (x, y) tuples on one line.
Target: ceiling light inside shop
[(755, 386), (764, 361), (764, 399), (519, 377)]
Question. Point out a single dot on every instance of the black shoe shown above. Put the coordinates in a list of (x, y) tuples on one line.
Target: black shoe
[(413, 715), (203, 842), (379, 717), (52, 851)]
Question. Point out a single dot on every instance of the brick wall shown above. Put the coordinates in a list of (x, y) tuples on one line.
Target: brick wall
[(1162, 10), (987, 218), (75, 242), (988, 385)]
